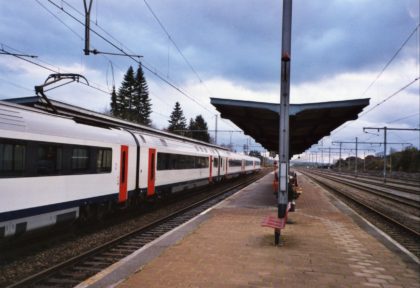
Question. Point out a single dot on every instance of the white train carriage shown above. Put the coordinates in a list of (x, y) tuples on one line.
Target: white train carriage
[(235, 165), (251, 164), (170, 165), (53, 169), (50, 166)]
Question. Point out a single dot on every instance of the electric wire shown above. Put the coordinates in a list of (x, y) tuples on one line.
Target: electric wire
[(379, 75), (79, 36), (179, 50), (403, 118), (135, 60), (392, 59), (389, 97), (156, 71), (15, 84), (54, 71)]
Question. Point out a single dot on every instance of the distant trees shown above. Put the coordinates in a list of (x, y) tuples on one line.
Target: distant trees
[(177, 121), (132, 101), (407, 160), (197, 128)]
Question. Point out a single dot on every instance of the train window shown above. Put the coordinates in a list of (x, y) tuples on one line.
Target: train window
[(235, 163), (201, 162), (249, 163), (12, 159), (80, 159), (104, 160), (49, 159), (216, 162), (167, 161)]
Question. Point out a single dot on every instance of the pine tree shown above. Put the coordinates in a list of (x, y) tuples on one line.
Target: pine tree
[(125, 97), (142, 104), (114, 106), (177, 120), (192, 127), (201, 125)]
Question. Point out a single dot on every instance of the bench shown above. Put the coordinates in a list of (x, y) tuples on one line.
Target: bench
[(274, 221)]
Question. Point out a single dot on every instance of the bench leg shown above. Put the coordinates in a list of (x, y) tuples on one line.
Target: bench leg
[(276, 237)]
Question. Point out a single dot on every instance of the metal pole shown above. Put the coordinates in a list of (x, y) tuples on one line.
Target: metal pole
[(329, 157), (215, 132), (339, 159), (355, 161), (385, 154), (284, 113), (87, 26), (364, 161)]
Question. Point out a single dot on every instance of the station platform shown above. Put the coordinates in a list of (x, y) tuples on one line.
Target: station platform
[(326, 245)]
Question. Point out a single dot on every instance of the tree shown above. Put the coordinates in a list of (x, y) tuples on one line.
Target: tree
[(177, 121), (198, 129), (142, 104), (114, 105), (123, 104), (192, 127), (132, 101)]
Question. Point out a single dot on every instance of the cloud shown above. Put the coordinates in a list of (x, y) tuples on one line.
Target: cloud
[(338, 48)]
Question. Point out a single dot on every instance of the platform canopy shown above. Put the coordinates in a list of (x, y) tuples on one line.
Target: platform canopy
[(308, 122)]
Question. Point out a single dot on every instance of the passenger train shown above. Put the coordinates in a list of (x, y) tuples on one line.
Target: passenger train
[(55, 169)]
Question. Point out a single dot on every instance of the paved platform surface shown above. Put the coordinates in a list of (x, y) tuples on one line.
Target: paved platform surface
[(323, 248)]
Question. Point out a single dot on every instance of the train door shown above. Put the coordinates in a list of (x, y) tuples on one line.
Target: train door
[(227, 162), (122, 196), (219, 164), (211, 169), (151, 175)]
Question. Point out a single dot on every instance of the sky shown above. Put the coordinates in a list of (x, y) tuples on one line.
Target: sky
[(341, 49)]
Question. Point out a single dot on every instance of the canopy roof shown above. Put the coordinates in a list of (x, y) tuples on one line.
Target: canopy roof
[(308, 122)]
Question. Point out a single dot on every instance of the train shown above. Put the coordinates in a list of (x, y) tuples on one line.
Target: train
[(55, 169)]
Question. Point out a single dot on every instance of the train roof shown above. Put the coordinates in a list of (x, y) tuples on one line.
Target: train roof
[(89, 117)]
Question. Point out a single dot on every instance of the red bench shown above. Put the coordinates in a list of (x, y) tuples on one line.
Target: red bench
[(274, 221)]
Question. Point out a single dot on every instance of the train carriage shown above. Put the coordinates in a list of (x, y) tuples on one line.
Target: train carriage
[(54, 169)]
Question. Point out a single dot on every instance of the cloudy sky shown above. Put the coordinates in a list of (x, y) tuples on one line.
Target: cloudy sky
[(341, 49)]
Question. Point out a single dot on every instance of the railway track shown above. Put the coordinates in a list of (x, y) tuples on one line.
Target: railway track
[(394, 219), (77, 269), (404, 183), (397, 194)]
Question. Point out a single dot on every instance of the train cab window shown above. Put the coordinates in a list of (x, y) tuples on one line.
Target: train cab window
[(49, 159), (104, 160), (12, 159), (80, 159)]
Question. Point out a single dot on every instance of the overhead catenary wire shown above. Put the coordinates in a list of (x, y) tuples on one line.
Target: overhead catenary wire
[(54, 71), (16, 85), (390, 96), (171, 39), (392, 59), (152, 70), (402, 118), (416, 29), (135, 60)]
